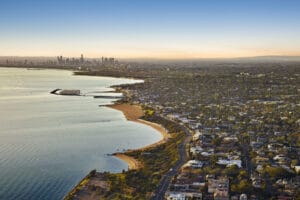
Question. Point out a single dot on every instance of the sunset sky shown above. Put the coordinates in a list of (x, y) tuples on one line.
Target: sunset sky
[(150, 28)]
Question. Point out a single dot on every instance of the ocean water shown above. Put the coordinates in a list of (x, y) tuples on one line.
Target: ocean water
[(48, 143)]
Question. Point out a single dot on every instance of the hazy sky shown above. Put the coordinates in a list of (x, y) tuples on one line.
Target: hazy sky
[(150, 28)]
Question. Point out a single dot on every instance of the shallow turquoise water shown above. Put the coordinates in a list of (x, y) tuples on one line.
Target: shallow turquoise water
[(48, 143)]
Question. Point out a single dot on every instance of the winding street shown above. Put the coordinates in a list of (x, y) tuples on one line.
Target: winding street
[(166, 179)]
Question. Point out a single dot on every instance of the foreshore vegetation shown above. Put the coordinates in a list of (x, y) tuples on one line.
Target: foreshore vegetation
[(140, 183)]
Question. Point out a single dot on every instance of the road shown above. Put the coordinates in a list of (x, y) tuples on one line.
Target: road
[(166, 179)]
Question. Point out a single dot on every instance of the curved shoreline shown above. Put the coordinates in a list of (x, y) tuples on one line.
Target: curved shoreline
[(132, 163), (134, 113)]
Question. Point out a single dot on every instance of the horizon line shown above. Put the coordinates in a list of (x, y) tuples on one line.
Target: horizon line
[(158, 58)]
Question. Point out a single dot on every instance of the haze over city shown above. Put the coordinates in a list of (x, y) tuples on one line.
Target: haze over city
[(150, 29)]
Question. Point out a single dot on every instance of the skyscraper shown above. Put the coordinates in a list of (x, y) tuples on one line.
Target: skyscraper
[(81, 59)]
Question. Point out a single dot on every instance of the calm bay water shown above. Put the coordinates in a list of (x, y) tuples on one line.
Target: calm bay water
[(48, 143)]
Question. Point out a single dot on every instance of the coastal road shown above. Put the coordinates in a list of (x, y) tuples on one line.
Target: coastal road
[(166, 179)]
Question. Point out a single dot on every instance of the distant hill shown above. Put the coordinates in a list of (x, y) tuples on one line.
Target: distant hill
[(220, 60), (270, 58)]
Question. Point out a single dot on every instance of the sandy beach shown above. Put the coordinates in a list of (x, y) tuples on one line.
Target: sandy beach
[(134, 113), (132, 163)]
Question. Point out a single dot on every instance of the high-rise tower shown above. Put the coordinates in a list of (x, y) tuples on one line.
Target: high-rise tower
[(81, 59)]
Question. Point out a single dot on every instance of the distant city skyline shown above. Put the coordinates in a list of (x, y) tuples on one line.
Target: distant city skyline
[(150, 29)]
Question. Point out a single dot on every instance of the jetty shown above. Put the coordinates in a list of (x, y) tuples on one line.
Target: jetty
[(108, 97)]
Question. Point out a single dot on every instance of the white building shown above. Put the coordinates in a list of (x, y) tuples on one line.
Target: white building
[(193, 164), (196, 150), (183, 195), (228, 162)]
